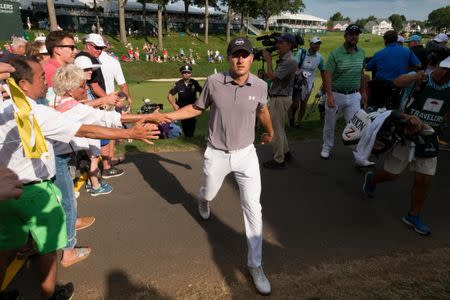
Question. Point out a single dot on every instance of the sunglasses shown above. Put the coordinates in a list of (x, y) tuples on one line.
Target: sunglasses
[(238, 54), (72, 47), (97, 47)]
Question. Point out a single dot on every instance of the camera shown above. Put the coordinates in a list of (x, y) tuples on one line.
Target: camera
[(270, 41), (148, 107)]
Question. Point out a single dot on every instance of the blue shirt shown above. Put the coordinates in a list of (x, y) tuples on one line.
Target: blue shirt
[(392, 61)]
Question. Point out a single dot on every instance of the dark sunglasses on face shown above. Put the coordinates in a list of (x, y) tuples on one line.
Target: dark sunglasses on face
[(243, 54), (72, 47), (97, 47)]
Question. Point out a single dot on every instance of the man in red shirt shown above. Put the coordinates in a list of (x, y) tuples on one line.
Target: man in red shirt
[(62, 49)]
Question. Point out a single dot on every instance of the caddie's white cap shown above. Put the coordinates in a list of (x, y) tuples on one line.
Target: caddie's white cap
[(84, 62), (95, 39), (445, 63), (441, 37), (315, 40), (400, 39)]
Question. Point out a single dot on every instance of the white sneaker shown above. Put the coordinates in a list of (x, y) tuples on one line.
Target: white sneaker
[(364, 164), (260, 280), (325, 154), (203, 209)]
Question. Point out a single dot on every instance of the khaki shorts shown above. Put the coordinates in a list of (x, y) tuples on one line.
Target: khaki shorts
[(397, 159)]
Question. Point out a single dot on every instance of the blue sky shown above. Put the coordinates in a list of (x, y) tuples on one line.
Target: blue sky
[(356, 9)]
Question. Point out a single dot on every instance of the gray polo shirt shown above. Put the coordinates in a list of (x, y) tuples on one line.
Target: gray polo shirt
[(284, 72), (231, 124)]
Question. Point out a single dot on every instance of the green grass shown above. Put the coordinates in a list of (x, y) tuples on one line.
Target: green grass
[(138, 72), (141, 70)]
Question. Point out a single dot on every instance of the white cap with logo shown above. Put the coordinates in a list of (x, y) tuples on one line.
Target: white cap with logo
[(315, 40), (95, 39), (441, 37), (84, 62)]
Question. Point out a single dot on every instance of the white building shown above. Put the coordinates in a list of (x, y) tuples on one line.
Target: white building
[(378, 27), (298, 23), (340, 25)]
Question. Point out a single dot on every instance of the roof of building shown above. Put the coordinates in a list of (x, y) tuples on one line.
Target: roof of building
[(300, 17)]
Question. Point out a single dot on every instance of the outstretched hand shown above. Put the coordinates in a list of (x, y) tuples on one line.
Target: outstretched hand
[(145, 131), (157, 118)]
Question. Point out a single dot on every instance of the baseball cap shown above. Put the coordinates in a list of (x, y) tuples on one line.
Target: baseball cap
[(400, 39), (186, 68), (353, 28), (445, 63), (95, 39), (84, 62), (441, 37), (315, 40), (286, 37), (414, 38), (239, 44)]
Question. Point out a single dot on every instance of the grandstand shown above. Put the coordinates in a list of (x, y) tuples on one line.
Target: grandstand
[(302, 23)]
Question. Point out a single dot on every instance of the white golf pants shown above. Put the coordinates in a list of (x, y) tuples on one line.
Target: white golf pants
[(349, 105), (244, 163)]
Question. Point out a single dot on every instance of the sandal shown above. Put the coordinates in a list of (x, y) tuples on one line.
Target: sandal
[(82, 253)]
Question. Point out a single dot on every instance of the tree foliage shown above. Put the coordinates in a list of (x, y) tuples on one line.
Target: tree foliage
[(338, 16), (362, 22), (440, 18), (397, 21)]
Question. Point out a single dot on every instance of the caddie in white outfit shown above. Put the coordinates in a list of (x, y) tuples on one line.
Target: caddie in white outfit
[(236, 98)]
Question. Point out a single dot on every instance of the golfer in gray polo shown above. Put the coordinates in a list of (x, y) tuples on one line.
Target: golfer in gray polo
[(235, 98)]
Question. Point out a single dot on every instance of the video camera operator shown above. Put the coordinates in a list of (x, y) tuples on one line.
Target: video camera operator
[(280, 96)]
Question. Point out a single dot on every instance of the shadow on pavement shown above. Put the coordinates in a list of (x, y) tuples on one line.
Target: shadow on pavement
[(227, 245), (119, 286)]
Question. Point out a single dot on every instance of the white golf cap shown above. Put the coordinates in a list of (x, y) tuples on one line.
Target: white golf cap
[(95, 39), (315, 40), (400, 39), (441, 37), (445, 63), (84, 62)]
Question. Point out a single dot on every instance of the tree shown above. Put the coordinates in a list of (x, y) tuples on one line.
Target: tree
[(206, 22), (269, 8), (206, 4), (122, 30), (397, 22), (96, 16), (186, 15), (362, 22), (440, 18), (52, 15), (144, 4), (337, 17), (161, 5), (229, 16)]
